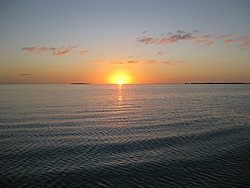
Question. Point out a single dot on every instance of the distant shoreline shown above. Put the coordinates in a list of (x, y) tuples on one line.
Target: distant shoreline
[(218, 83), (80, 83)]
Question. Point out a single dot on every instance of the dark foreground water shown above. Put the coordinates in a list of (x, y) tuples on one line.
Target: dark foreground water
[(129, 136)]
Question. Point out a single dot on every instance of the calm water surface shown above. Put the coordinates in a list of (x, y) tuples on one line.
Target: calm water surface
[(127, 136)]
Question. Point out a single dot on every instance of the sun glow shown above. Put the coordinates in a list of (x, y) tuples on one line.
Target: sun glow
[(120, 77), (120, 82)]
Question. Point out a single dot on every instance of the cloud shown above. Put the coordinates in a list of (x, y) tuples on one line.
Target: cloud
[(196, 31), (84, 52), (167, 63), (244, 42), (129, 56), (55, 51), (223, 36), (38, 50), (24, 74), (202, 39), (88, 61), (177, 61), (70, 47), (151, 61), (172, 38), (205, 39), (30, 49), (62, 52), (147, 40), (207, 42), (230, 40), (123, 62), (173, 62), (160, 53), (101, 61)]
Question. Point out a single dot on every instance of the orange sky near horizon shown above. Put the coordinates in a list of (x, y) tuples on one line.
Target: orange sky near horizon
[(132, 74)]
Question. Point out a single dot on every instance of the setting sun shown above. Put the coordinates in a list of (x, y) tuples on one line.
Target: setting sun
[(120, 77), (120, 82)]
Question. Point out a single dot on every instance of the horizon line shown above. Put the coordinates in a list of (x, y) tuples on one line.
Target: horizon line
[(87, 83)]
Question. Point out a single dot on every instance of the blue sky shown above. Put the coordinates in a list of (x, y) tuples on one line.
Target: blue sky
[(150, 41)]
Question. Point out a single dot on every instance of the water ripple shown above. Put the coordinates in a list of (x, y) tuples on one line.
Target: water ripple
[(152, 136)]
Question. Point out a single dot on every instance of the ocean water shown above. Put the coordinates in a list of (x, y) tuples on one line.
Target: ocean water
[(125, 136)]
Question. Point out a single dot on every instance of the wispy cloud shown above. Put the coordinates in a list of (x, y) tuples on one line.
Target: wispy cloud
[(223, 36), (173, 62), (147, 61), (25, 74), (230, 40), (160, 53), (167, 63), (172, 38), (205, 39), (88, 61), (123, 62), (62, 52), (55, 51), (196, 31), (70, 47), (101, 61), (150, 61), (38, 50), (207, 42), (178, 61), (244, 42), (84, 52), (179, 35), (126, 57)]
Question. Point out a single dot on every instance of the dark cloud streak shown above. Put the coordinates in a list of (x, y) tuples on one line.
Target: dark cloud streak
[(24, 74)]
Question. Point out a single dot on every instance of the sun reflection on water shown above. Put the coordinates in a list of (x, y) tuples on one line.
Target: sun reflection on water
[(120, 104)]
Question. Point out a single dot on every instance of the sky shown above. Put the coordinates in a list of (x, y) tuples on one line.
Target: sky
[(136, 41)]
